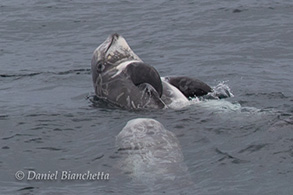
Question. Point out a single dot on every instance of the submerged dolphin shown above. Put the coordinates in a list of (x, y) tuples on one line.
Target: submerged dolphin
[(122, 78), (150, 153)]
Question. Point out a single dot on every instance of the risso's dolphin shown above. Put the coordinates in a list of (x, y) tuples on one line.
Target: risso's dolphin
[(122, 78), (149, 152)]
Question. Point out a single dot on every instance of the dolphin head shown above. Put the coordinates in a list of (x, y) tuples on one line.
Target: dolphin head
[(113, 57), (112, 52)]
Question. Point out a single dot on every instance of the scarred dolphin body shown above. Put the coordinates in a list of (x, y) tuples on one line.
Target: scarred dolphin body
[(122, 78), (151, 154)]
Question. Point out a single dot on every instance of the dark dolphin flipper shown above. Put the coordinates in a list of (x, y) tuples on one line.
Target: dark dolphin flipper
[(190, 87), (137, 86), (141, 73), (124, 93)]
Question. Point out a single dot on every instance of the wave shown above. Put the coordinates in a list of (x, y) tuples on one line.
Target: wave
[(21, 75)]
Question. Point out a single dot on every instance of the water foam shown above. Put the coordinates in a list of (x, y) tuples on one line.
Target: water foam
[(220, 91)]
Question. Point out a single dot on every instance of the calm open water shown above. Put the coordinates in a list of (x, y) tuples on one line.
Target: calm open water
[(241, 145)]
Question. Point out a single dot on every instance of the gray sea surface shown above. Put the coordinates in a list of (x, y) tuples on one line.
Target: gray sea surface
[(49, 121)]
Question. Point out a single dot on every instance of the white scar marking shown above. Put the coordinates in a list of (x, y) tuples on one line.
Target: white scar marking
[(119, 96), (128, 101), (122, 66), (133, 105)]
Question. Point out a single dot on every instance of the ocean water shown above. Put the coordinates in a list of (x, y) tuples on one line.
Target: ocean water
[(49, 123)]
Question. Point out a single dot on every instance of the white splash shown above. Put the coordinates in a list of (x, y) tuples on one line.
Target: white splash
[(220, 91), (212, 101)]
